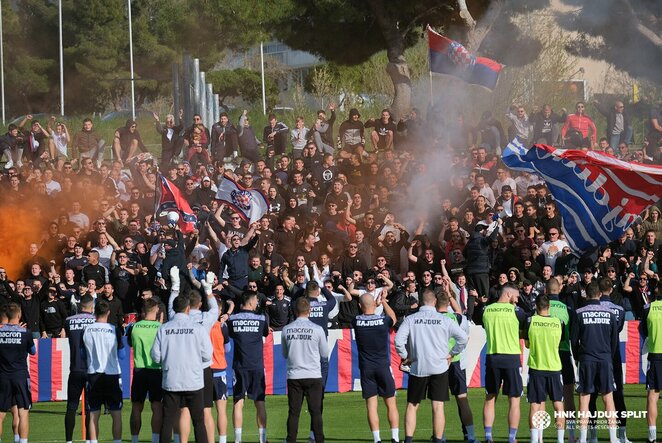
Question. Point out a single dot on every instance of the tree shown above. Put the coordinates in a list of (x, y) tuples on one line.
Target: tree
[(349, 33), (243, 83)]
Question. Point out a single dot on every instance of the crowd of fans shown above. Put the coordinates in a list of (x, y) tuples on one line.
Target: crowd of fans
[(341, 212)]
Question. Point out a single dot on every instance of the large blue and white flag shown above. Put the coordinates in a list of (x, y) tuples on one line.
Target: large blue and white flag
[(598, 195), (250, 204)]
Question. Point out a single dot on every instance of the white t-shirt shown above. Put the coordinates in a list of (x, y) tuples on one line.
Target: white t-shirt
[(101, 345), (379, 310)]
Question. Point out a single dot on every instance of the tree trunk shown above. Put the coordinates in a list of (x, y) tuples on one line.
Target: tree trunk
[(397, 67), (399, 73)]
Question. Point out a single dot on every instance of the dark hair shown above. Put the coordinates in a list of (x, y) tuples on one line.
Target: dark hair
[(86, 301), (605, 285), (195, 299), (542, 302), (180, 303), (592, 291), (150, 305), (102, 308), (11, 127)]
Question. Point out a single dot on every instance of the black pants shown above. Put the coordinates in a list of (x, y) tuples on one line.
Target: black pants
[(76, 384), (312, 389), (173, 402), (481, 283)]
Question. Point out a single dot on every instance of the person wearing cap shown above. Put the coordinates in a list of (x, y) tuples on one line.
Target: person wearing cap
[(53, 314), (508, 200), (350, 135), (476, 253)]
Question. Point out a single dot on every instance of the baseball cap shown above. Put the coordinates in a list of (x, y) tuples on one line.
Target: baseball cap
[(206, 179)]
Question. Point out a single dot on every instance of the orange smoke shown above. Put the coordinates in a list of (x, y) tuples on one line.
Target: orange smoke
[(18, 228)]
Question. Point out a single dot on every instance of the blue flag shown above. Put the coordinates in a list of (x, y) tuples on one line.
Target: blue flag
[(598, 195)]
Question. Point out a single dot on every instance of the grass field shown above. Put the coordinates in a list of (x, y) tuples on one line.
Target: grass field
[(344, 420)]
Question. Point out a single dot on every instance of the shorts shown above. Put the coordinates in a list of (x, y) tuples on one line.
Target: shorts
[(595, 376), (353, 149), (220, 385), (104, 390), (248, 383), (567, 368), (377, 381), (146, 381), (457, 379), (654, 376), (510, 378), (208, 390), (76, 384), (434, 387), (543, 384), (15, 392)]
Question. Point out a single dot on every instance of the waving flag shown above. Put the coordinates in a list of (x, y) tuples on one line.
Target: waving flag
[(250, 204), (598, 196), (169, 198), (450, 57)]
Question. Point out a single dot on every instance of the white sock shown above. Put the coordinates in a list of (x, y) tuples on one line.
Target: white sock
[(22, 440), (471, 434), (395, 434), (311, 436), (263, 434), (560, 436), (222, 439), (237, 435), (17, 438), (535, 433), (69, 441), (176, 438), (134, 439), (94, 441), (376, 438), (156, 438), (613, 435), (582, 435), (652, 433)]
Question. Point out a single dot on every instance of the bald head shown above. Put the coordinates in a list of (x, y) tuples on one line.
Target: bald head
[(367, 303)]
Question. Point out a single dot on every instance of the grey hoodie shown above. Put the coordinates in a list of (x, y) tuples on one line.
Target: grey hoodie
[(423, 337)]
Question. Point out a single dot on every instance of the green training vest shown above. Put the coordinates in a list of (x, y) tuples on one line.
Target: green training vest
[(654, 325), (451, 342), (544, 339), (558, 309), (502, 329), (143, 334)]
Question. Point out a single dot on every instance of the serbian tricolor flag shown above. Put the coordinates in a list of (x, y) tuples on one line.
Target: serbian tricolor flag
[(169, 198), (250, 204), (450, 57), (598, 195)]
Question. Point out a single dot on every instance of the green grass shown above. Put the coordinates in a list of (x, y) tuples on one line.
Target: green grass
[(344, 420)]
